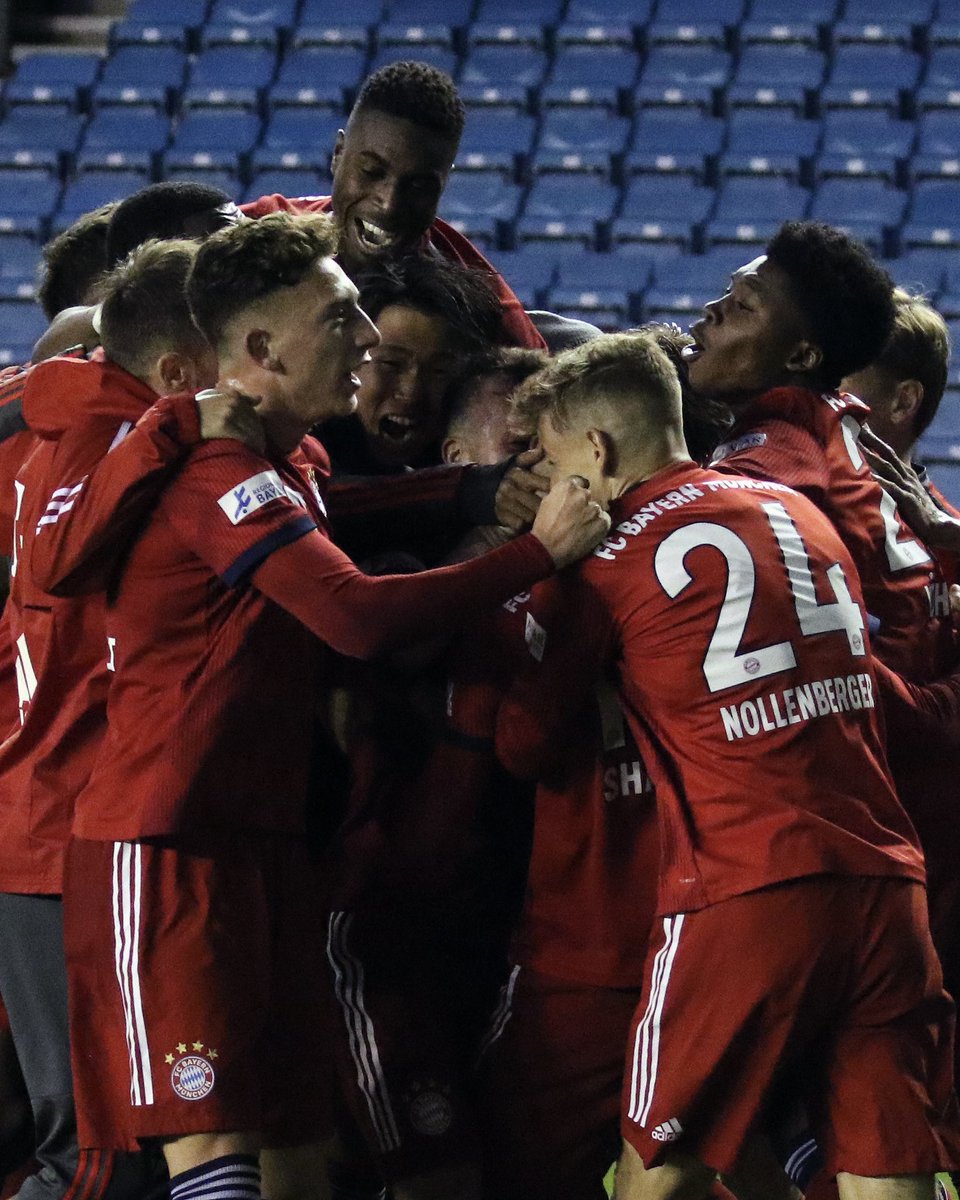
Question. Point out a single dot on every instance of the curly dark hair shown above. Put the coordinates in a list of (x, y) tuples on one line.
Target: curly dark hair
[(462, 296), (706, 421), (73, 260), (242, 263), (418, 93), (844, 294), (159, 211)]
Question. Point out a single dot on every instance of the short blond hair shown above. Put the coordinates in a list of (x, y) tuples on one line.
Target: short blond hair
[(918, 348), (626, 370)]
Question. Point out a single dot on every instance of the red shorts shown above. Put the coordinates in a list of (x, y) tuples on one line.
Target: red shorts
[(410, 1014), (196, 974), (550, 1083), (829, 986)]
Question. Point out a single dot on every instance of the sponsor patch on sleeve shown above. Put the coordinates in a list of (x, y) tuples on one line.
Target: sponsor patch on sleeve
[(749, 441), (244, 500)]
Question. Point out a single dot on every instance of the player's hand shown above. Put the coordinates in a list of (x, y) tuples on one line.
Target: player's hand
[(520, 492), (936, 528), (569, 523), (227, 412)]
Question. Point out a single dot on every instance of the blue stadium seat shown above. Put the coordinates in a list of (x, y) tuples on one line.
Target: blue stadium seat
[(662, 131), (662, 198), (709, 272), (914, 12), (62, 94), (331, 12), (938, 133), (443, 60), (766, 65), (570, 133), (139, 130), (312, 131), (190, 13), (226, 181), (697, 98), (704, 33), (678, 306), (429, 12), (600, 66), (21, 323), (853, 133), (28, 191), (93, 188), (41, 127), (936, 203), (47, 68), (304, 159), (610, 12), (496, 141), (19, 257), (560, 196), (789, 98), (294, 95), (227, 131), (801, 32), (656, 239), (924, 269), (543, 12), (150, 33), (575, 33), (413, 38), (216, 34), (331, 37), (288, 183), (752, 131), (870, 76), (517, 65), (599, 271), (745, 199), (496, 33), (817, 12), (610, 308), (481, 195), (532, 271), (233, 66), (144, 66), (330, 70), (951, 285), (672, 66), (483, 231), (943, 33), (861, 202), (858, 166), (557, 231), (688, 12), (150, 98), (593, 97), (877, 31), (255, 14)]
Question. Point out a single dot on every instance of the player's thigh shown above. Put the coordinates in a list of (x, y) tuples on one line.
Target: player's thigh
[(295, 1172), (891, 1107), (728, 1002), (549, 1086)]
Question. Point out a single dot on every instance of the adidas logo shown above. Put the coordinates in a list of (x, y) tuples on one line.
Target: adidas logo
[(669, 1131)]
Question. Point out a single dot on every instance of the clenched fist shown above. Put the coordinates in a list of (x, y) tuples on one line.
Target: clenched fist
[(569, 523)]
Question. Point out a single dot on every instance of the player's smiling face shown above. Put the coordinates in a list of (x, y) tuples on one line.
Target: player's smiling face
[(318, 339), (388, 176), (746, 338), (401, 397)]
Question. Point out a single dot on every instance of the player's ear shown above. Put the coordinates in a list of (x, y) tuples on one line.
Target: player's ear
[(450, 451), (257, 344), (604, 450), (337, 150), (804, 358), (175, 372), (906, 401)]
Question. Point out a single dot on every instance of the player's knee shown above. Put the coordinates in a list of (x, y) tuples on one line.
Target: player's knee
[(890, 1187)]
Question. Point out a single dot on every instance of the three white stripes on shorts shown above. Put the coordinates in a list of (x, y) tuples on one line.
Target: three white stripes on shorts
[(126, 943), (646, 1046), (348, 987)]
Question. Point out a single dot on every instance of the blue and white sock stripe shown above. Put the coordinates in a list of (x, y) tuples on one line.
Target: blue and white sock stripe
[(233, 1177), (646, 1047), (126, 941), (348, 988), (797, 1165)]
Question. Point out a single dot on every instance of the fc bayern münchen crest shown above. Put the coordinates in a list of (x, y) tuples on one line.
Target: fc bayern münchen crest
[(192, 1077)]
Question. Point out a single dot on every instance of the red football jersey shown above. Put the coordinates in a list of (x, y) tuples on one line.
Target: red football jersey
[(733, 615), (518, 329), (227, 604), (809, 442), (60, 644)]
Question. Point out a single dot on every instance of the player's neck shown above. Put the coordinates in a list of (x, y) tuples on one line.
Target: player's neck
[(642, 470)]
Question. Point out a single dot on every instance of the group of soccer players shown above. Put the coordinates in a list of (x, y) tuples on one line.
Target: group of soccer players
[(450, 751)]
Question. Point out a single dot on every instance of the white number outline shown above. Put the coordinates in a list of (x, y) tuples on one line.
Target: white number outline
[(725, 665)]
